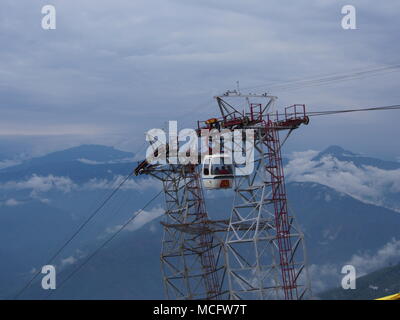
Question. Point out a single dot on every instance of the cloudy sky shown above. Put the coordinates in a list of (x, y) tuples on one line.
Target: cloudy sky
[(113, 69)]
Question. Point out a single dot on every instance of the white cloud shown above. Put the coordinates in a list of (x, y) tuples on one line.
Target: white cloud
[(365, 263), (153, 228), (8, 163), (68, 261), (93, 162), (12, 202), (72, 259), (366, 183), (143, 218), (130, 184), (87, 161), (327, 276), (323, 276), (41, 184), (44, 200), (328, 198)]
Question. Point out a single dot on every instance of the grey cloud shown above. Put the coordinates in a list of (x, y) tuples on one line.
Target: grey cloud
[(115, 68)]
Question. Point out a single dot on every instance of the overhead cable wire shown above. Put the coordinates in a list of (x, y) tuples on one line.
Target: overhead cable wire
[(121, 228), (73, 236), (323, 113), (327, 79)]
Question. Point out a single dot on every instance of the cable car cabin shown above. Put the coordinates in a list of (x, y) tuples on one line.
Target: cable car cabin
[(217, 173)]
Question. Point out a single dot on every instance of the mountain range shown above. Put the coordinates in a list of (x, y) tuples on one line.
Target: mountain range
[(44, 200)]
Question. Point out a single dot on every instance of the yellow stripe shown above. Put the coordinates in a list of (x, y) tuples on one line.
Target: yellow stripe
[(392, 297)]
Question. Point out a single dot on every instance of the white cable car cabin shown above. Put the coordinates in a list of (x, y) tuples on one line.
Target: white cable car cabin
[(217, 173)]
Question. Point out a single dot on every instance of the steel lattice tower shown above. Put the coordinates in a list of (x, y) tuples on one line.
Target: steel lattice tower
[(264, 252), (262, 244), (265, 256), (189, 251)]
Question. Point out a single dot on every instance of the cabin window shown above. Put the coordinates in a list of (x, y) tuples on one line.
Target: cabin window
[(217, 169)]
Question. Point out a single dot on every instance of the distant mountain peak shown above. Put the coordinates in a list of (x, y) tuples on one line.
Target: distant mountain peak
[(89, 147), (358, 159), (93, 152), (84, 154), (337, 151)]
